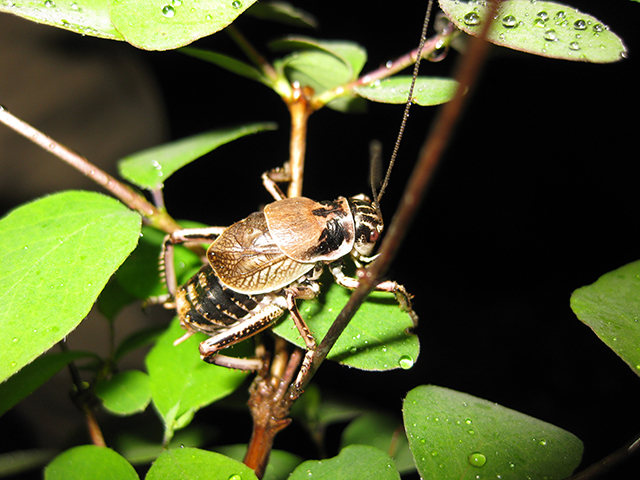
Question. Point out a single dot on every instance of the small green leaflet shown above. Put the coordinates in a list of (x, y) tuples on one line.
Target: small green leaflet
[(427, 90), (611, 308), (150, 168)]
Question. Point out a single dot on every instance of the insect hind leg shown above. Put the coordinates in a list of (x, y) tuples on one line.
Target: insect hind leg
[(167, 267)]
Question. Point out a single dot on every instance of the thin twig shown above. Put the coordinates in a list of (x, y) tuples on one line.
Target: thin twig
[(128, 196), (256, 58), (390, 68), (607, 463), (81, 400)]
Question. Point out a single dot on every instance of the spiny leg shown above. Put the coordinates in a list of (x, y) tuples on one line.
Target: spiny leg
[(167, 268), (402, 296)]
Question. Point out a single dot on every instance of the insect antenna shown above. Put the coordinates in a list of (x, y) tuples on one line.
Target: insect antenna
[(405, 116)]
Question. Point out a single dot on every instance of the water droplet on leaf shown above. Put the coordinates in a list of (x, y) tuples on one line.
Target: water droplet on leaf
[(472, 19), (580, 24), (574, 46), (509, 21), (551, 36), (477, 459), (235, 477), (406, 362), (168, 11), (236, 4)]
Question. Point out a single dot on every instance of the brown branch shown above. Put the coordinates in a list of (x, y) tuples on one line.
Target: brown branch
[(607, 463), (127, 195), (468, 71), (299, 109)]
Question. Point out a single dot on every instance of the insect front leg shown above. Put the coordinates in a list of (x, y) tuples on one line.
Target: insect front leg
[(278, 174), (402, 296)]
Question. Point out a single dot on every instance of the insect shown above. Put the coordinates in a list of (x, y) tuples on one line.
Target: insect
[(257, 268)]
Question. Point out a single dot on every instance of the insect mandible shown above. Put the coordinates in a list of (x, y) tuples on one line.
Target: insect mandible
[(258, 267)]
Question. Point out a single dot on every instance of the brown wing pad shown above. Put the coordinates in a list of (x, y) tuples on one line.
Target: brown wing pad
[(246, 259), (308, 231)]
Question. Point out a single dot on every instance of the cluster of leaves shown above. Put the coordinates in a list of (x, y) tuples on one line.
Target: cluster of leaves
[(50, 246)]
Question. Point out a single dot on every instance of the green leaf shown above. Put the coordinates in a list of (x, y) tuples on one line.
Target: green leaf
[(323, 66), (350, 53), (182, 383), (24, 383), (89, 461), (427, 91), (192, 464), (281, 463), (86, 17), (20, 461), (453, 435), (228, 63), (150, 168), (165, 24), (611, 308), (283, 12), (56, 255), (375, 339), (355, 461), (125, 393), (383, 432), (542, 28)]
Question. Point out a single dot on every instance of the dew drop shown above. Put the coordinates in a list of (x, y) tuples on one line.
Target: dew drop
[(168, 11), (75, 7), (176, 3), (208, 18), (472, 19), (477, 459), (542, 443), (49, 4), (236, 4), (598, 28), (559, 16), (509, 21), (574, 46), (235, 477), (16, 340), (551, 36), (538, 22), (580, 25), (389, 64), (406, 362), (542, 15), (13, 364)]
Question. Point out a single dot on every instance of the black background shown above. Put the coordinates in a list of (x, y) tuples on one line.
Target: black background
[(536, 196)]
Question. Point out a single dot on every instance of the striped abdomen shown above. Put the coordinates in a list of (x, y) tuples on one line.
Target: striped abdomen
[(205, 305)]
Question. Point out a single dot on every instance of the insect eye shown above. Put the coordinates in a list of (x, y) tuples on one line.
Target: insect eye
[(373, 236)]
